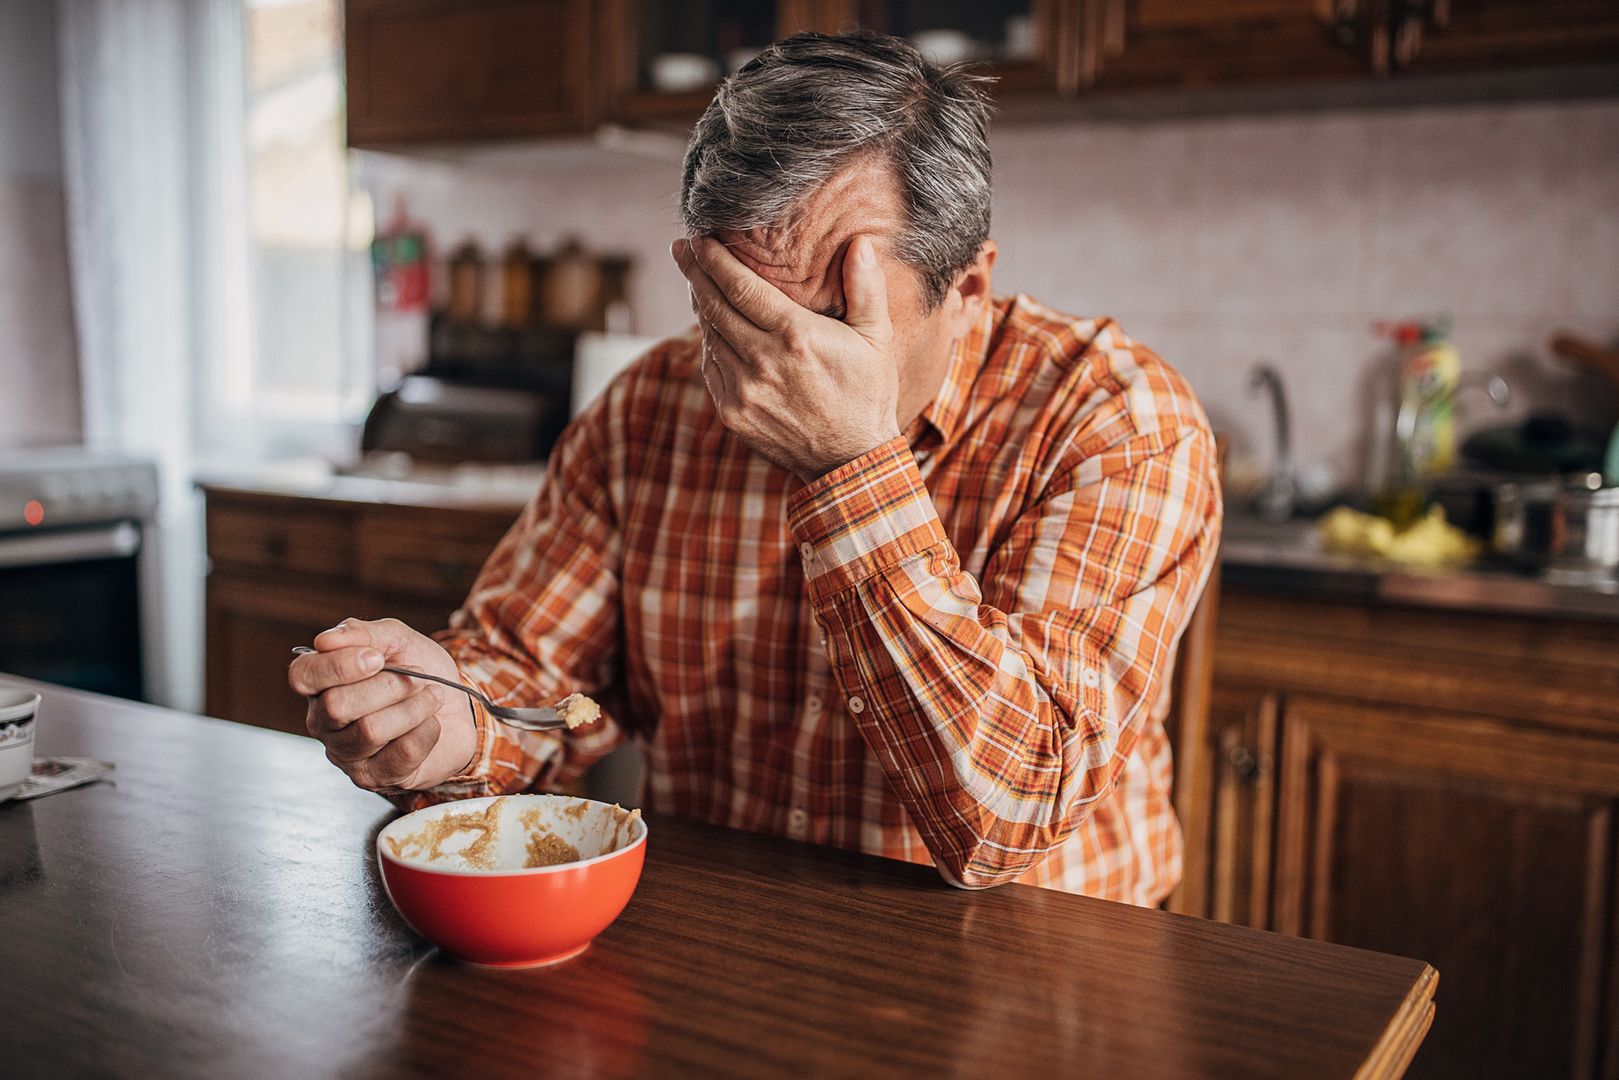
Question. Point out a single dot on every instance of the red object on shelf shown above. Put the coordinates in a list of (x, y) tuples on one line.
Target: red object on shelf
[(399, 258)]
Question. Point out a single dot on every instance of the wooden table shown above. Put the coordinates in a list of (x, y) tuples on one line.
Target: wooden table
[(215, 911)]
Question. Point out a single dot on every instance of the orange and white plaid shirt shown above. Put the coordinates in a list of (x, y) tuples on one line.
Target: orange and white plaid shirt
[(954, 649)]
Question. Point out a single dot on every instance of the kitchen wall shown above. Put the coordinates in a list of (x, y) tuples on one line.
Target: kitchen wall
[(39, 378), (1217, 242)]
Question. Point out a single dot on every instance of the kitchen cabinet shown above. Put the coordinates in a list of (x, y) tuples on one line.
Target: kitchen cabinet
[(1016, 40), (1125, 43), (1129, 43), (1429, 783), (1477, 842), (1477, 34), (468, 70), (452, 70), (1227, 820), (283, 567)]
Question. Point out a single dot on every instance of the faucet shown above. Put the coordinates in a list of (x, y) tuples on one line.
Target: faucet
[(1278, 498)]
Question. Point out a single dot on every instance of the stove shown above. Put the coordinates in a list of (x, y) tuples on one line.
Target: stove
[(76, 580)]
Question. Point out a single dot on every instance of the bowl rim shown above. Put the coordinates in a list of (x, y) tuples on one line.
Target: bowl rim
[(383, 855)]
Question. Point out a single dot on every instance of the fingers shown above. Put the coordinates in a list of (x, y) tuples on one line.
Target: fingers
[(755, 299), (368, 735), (314, 673), (865, 291), (712, 306), (343, 705), (351, 651), (397, 762), (386, 635), (723, 370)]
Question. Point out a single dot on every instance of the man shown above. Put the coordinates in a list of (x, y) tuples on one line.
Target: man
[(871, 558)]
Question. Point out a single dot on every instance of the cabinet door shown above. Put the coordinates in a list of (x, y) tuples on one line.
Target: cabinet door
[(1493, 33), (662, 62), (1227, 814), (1192, 42), (1481, 847), (466, 69), (252, 627)]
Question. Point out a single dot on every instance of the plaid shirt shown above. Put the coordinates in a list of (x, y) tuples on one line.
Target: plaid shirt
[(953, 649)]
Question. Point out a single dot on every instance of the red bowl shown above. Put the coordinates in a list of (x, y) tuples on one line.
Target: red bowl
[(463, 875)]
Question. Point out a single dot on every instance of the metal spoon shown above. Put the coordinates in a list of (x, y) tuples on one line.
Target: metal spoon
[(527, 719)]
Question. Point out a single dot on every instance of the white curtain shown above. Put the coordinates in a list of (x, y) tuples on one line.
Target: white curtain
[(151, 146)]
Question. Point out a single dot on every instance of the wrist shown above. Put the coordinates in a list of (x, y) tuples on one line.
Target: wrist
[(810, 474)]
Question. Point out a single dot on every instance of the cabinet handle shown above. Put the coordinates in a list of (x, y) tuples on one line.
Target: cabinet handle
[(1248, 766), (275, 546), (452, 573)]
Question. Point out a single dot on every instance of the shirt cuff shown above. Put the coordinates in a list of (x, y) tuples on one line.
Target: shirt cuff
[(478, 767), (862, 518)]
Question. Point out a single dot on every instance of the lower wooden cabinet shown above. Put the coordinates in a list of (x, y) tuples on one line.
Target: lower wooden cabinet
[(1434, 785), (284, 567)]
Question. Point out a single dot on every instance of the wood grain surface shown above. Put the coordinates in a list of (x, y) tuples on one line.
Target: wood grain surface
[(215, 911)]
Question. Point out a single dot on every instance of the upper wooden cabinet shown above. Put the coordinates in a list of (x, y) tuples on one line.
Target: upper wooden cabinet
[(448, 70), (459, 70), (1159, 42), (1477, 34), (649, 43), (1162, 42)]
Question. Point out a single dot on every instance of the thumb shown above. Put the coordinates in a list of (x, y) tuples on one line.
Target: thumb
[(387, 636), (865, 291)]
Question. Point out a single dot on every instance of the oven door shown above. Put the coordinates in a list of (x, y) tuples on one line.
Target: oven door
[(70, 607)]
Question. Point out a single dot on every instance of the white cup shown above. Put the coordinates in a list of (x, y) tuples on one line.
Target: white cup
[(18, 708)]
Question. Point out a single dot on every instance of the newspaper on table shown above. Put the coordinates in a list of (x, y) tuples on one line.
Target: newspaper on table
[(60, 773)]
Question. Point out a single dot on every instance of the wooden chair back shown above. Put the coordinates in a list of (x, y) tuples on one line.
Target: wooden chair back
[(1188, 726)]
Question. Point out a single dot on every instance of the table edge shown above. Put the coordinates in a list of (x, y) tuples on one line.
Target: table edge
[(1391, 1056)]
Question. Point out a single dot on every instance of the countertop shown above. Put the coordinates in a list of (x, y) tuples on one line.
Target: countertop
[(1287, 559), (215, 910), (507, 487)]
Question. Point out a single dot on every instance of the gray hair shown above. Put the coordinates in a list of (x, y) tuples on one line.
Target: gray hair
[(810, 104)]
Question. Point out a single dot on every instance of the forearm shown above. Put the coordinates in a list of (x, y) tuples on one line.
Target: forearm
[(999, 727)]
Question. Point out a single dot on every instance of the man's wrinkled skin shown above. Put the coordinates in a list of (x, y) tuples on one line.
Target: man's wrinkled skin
[(818, 343)]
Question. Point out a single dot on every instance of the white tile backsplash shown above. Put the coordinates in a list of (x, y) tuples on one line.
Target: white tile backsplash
[(1215, 241)]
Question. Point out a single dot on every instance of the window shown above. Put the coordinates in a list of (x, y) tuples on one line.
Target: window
[(305, 356)]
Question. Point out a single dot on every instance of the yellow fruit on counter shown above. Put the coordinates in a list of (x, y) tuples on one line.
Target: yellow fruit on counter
[(1430, 542)]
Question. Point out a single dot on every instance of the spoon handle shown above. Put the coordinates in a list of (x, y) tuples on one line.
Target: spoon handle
[(305, 650)]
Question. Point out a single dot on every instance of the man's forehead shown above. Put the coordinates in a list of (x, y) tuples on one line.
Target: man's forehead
[(804, 256)]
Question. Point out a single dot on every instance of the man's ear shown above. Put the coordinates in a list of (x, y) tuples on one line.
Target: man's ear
[(972, 287)]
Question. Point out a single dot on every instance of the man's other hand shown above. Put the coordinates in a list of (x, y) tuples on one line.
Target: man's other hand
[(385, 731), (806, 391)]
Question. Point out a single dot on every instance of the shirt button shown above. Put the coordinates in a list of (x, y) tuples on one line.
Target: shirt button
[(813, 703), (1090, 678), (856, 705), (807, 551), (797, 821)]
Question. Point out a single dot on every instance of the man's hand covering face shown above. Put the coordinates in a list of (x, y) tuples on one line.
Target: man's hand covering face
[(806, 391)]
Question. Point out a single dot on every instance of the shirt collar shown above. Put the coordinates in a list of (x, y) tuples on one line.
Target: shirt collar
[(941, 418)]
